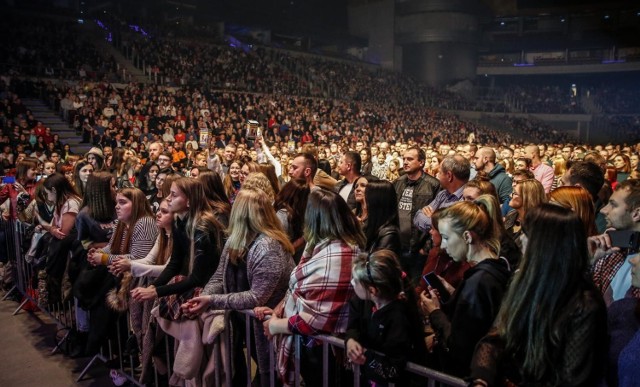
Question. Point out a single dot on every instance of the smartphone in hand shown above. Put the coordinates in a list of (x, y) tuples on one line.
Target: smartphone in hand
[(432, 280)]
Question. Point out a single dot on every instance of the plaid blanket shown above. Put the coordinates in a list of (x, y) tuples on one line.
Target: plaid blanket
[(318, 297)]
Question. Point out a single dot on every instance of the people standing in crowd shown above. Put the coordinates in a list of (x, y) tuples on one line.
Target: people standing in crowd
[(579, 201), (453, 175), (319, 287), (381, 227), (541, 171), (624, 335), (567, 343), (290, 205), (349, 167), (414, 190), (526, 195), (468, 235), (147, 184), (22, 191), (365, 158), (232, 180), (144, 180), (611, 267), (254, 271), (81, 172), (304, 166), (96, 158), (197, 236), (133, 238), (94, 224), (385, 329), (216, 195), (485, 161), (622, 164), (63, 231)]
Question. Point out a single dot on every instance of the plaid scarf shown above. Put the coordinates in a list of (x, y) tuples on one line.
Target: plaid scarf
[(318, 298), (605, 269)]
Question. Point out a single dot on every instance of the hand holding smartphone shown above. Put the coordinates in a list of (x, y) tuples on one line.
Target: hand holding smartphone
[(432, 280)]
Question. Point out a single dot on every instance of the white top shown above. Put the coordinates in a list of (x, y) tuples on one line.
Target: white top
[(147, 265), (71, 206)]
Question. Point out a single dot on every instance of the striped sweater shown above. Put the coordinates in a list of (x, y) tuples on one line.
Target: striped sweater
[(145, 233)]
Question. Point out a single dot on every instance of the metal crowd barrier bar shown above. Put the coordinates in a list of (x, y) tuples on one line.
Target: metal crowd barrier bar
[(431, 375), (63, 315)]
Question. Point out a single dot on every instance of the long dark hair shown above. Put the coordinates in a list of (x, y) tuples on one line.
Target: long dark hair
[(552, 274), (200, 214), (215, 193), (140, 208), (76, 175), (382, 208), (293, 198), (64, 189), (98, 197), (329, 216)]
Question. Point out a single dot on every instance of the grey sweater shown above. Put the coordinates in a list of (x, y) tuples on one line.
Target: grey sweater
[(268, 268)]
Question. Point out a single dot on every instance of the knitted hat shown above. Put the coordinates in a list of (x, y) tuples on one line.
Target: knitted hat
[(96, 152)]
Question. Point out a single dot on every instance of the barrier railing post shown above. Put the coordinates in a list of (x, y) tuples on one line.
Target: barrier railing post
[(247, 327), (298, 348), (325, 364), (272, 361), (227, 353)]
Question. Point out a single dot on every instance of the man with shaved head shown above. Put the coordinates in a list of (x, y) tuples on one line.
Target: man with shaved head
[(541, 171), (485, 161)]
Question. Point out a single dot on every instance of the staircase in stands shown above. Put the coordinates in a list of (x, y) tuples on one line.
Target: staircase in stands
[(51, 119)]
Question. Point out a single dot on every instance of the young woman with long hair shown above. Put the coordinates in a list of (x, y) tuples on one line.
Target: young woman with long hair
[(579, 201), (22, 192), (197, 236), (148, 184), (258, 248), (232, 179), (215, 193), (290, 206), (319, 287), (468, 235), (81, 172), (97, 214), (94, 224), (527, 194), (382, 226), (135, 232), (133, 238), (550, 332), (153, 264), (67, 205), (62, 230)]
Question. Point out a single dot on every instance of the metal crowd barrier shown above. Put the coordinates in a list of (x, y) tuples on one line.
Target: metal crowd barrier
[(113, 352), (431, 375)]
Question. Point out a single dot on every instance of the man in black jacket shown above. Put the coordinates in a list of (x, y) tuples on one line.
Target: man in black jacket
[(349, 167), (415, 190)]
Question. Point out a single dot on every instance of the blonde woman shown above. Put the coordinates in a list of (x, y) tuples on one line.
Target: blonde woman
[(259, 248)]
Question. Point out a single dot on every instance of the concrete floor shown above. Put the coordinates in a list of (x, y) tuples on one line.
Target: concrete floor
[(25, 353)]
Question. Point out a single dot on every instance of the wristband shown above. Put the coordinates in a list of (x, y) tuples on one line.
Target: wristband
[(104, 258)]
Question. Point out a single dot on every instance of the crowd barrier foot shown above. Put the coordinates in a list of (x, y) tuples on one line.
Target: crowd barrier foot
[(14, 287), (23, 303), (62, 341), (90, 364)]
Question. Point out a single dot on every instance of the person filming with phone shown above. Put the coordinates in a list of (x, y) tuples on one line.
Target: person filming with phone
[(468, 235), (610, 252)]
